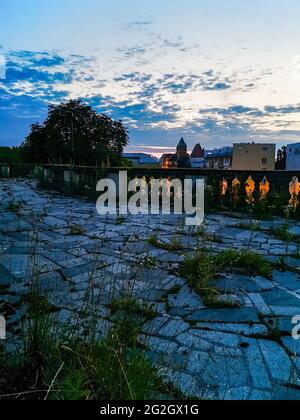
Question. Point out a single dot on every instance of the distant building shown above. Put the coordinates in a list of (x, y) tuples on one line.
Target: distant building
[(293, 157), (168, 161), (197, 157), (140, 159), (220, 159), (253, 157), (181, 159)]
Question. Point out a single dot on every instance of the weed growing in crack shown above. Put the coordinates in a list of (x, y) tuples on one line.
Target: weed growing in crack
[(253, 226), (15, 206), (173, 246), (76, 230), (282, 232), (203, 268)]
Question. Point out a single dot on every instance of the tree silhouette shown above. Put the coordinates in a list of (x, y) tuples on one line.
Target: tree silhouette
[(75, 134), (281, 159)]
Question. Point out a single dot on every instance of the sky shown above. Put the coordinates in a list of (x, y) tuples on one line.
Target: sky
[(213, 71)]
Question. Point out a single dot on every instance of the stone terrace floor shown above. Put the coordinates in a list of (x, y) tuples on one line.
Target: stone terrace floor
[(209, 353)]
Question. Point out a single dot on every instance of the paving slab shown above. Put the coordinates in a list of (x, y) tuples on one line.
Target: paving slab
[(275, 357), (238, 315)]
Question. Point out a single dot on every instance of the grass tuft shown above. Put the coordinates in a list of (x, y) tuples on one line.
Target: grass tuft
[(282, 232), (174, 246), (254, 226), (120, 220), (76, 230), (133, 306), (202, 269), (15, 206)]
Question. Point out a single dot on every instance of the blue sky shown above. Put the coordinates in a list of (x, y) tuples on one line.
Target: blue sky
[(213, 71)]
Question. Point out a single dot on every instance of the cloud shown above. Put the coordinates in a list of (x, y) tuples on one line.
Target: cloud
[(157, 105), (139, 23), (281, 110), (219, 86)]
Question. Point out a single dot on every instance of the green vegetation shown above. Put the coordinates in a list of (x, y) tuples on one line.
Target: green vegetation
[(174, 246), (76, 230), (249, 261), (296, 255), (203, 268), (10, 155), (15, 206), (281, 264), (262, 210), (200, 271), (120, 220), (282, 232), (213, 300), (149, 262), (74, 133), (274, 330), (174, 290), (53, 362), (132, 306), (254, 226), (38, 304), (52, 365), (201, 232)]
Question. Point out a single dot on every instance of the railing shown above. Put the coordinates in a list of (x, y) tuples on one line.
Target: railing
[(270, 191)]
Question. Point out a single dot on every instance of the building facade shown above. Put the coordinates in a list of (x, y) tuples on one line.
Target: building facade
[(219, 159), (293, 157), (181, 159), (197, 157), (253, 157), (141, 159)]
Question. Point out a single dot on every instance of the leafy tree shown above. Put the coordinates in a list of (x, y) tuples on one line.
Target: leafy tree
[(281, 159), (74, 133), (10, 155)]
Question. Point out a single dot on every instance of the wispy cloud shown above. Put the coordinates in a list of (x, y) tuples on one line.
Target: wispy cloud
[(157, 101)]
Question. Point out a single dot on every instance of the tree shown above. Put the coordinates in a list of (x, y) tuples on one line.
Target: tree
[(75, 134), (281, 159), (10, 155)]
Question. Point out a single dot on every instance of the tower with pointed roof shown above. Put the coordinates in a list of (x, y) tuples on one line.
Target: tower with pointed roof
[(182, 156), (198, 152), (181, 150)]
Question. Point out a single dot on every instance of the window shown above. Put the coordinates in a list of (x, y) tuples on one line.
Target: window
[(264, 161)]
